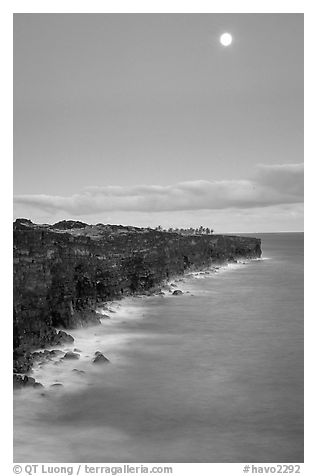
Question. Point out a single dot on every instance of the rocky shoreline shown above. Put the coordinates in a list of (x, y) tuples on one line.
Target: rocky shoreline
[(24, 364), (21, 375), (58, 356), (63, 273)]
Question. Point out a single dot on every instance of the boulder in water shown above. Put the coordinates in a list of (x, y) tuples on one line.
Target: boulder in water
[(81, 372), (71, 355), (100, 359), (56, 352), (63, 338), (177, 292), (20, 381), (29, 381)]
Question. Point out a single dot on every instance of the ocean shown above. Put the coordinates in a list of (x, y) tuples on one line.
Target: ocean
[(211, 376)]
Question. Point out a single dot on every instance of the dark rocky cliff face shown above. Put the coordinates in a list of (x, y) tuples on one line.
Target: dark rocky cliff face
[(62, 271)]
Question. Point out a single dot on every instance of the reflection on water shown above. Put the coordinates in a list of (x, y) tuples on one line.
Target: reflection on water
[(215, 375)]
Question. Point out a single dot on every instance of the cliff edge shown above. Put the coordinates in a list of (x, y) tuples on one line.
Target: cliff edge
[(62, 271)]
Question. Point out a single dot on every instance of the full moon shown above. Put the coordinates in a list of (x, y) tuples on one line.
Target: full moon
[(226, 39)]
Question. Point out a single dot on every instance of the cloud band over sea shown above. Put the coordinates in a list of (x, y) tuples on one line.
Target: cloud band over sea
[(270, 185)]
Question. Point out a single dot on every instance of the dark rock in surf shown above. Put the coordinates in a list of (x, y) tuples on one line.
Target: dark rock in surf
[(71, 355), (63, 338), (29, 381), (177, 292), (20, 381), (56, 352), (101, 359)]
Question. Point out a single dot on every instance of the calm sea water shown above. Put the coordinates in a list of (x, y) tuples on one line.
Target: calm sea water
[(214, 375)]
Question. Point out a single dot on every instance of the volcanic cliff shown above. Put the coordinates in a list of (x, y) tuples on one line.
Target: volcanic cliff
[(62, 272)]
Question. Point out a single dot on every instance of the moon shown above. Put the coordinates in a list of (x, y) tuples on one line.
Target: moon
[(226, 39)]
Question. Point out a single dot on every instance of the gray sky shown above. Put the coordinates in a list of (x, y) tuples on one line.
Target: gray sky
[(147, 119)]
